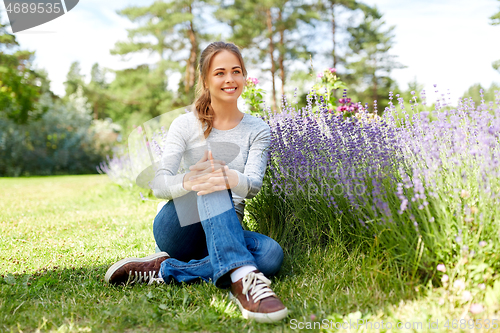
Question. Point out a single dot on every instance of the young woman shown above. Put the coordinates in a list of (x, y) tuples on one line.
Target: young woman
[(199, 230)]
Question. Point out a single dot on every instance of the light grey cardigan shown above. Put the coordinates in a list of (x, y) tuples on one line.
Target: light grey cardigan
[(243, 148)]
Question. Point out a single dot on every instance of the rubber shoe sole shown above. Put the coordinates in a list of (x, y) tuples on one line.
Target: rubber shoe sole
[(125, 261), (260, 317)]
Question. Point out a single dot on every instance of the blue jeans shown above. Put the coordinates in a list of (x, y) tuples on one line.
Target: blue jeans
[(210, 249)]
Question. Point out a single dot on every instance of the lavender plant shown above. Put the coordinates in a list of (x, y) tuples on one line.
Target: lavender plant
[(422, 184), (118, 168), (324, 165), (121, 169), (451, 192), (424, 187)]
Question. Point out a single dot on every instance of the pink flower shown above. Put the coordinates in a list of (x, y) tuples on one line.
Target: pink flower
[(332, 70), (466, 296), (313, 317), (253, 80), (441, 268), (445, 278), (476, 308), (320, 75), (459, 284)]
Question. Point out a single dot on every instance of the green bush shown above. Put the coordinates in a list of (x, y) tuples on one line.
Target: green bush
[(62, 141)]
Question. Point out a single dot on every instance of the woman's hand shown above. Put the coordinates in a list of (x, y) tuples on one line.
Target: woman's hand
[(209, 175)]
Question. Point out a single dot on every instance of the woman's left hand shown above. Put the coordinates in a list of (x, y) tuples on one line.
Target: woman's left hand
[(212, 180)]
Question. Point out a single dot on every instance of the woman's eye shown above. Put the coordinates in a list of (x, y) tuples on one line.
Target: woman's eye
[(219, 73), (237, 72)]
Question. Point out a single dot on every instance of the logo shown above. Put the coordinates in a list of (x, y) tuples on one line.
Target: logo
[(26, 14)]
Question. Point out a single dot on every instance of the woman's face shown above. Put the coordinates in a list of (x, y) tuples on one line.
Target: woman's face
[(225, 79)]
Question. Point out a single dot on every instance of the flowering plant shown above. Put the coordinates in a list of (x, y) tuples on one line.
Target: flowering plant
[(424, 185), (253, 96), (327, 85)]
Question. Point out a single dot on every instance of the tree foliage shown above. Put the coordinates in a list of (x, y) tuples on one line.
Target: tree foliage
[(477, 89), (272, 32), (371, 62), (495, 20), (39, 132), (20, 84), (172, 31)]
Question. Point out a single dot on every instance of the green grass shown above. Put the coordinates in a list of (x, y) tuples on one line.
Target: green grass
[(59, 235)]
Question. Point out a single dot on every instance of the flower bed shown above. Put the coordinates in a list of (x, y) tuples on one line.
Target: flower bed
[(424, 188)]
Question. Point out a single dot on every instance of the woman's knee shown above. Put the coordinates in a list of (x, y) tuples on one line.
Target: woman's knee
[(180, 242), (271, 258), (164, 216)]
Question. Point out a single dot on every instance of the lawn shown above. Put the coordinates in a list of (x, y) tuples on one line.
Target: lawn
[(59, 235)]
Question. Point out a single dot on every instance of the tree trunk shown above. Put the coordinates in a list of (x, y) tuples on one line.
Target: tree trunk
[(334, 26), (271, 54), (282, 55), (333, 34), (190, 65), (375, 86)]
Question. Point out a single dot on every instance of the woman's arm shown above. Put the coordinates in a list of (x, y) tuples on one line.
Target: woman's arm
[(210, 176), (250, 181), (246, 184)]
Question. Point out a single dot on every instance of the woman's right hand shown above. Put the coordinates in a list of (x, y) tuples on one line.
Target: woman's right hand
[(206, 165)]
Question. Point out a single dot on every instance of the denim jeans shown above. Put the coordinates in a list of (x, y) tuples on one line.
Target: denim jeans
[(210, 249)]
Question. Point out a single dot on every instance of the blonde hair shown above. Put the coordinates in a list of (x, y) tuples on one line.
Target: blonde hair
[(202, 103)]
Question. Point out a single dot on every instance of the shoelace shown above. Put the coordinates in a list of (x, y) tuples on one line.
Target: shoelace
[(137, 277), (258, 286)]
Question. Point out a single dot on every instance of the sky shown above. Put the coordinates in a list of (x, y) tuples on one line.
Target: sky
[(444, 42)]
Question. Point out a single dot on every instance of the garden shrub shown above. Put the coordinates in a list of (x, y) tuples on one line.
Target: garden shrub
[(63, 141), (427, 185)]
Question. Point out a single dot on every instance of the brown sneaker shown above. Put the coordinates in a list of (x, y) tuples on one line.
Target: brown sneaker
[(136, 270), (256, 299)]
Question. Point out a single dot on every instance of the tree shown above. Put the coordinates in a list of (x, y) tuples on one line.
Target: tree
[(329, 10), (96, 92), (495, 20), (138, 90), (371, 63), (271, 31), (168, 29), (20, 84), (474, 92), (74, 79)]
